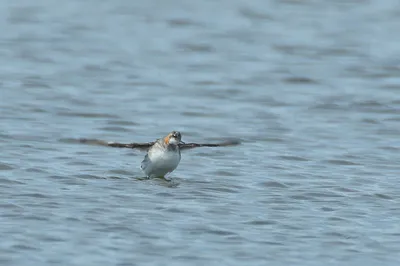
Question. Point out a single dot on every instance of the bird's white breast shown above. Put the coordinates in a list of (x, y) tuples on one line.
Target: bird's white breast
[(160, 162), (165, 158)]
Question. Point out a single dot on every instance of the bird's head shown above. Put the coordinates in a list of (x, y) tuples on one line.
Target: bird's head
[(173, 138)]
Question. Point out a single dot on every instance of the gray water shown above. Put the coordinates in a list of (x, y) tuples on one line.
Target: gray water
[(312, 88)]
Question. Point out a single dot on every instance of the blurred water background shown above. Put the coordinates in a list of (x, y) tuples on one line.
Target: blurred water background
[(311, 87)]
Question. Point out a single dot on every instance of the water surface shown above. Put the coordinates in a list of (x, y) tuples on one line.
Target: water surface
[(312, 89)]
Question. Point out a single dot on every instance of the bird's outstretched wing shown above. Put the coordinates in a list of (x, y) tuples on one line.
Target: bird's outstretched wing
[(147, 145), (186, 146), (139, 146)]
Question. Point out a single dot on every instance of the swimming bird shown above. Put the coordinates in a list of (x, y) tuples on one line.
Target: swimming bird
[(163, 155)]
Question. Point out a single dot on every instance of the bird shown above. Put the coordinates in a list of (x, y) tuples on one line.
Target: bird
[(163, 155)]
